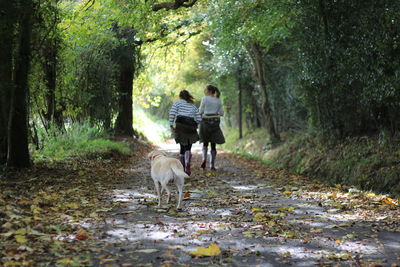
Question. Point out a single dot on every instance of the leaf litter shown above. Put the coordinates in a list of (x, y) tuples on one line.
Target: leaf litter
[(243, 214)]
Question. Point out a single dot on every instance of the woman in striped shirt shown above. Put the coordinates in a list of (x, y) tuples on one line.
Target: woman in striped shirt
[(183, 120)]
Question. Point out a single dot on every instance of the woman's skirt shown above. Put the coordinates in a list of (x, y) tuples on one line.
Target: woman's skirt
[(186, 134), (210, 131)]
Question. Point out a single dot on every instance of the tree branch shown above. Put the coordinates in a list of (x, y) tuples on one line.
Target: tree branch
[(174, 5)]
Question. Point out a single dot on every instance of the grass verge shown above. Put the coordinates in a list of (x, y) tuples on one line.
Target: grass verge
[(368, 162)]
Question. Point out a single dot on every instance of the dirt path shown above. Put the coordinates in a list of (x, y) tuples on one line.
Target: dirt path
[(101, 211), (257, 216)]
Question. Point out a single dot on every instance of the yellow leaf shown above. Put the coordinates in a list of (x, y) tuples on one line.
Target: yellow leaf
[(286, 192), (259, 217), (345, 257), (12, 263), (21, 231), (286, 208), (314, 230), (248, 234), (35, 209), (94, 215), (257, 209), (20, 239), (210, 251), (203, 231), (208, 174), (65, 261), (72, 205)]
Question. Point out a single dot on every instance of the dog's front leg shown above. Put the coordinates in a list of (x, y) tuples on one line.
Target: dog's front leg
[(158, 192)]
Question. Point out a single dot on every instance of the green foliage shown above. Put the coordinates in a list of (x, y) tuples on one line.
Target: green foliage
[(358, 161), (78, 140), (362, 162), (349, 73)]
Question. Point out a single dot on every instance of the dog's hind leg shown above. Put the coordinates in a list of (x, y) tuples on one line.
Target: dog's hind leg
[(168, 192), (158, 192), (180, 189)]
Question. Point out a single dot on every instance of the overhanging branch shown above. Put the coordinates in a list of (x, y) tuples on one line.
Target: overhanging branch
[(174, 5)]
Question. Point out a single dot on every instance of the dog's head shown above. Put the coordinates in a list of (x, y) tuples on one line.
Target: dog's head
[(156, 153)]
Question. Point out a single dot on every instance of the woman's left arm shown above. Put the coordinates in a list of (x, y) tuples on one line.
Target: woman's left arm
[(221, 109), (201, 108)]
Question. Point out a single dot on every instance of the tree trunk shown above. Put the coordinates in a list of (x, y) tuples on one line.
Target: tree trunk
[(240, 108), (50, 71), (18, 152), (7, 25), (5, 93), (123, 124), (257, 60)]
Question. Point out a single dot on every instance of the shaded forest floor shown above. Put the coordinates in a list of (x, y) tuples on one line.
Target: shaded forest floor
[(102, 212)]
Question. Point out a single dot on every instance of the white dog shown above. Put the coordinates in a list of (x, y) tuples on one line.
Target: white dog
[(165, 169)]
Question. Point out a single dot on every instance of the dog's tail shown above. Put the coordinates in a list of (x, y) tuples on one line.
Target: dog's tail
[(179, 171)]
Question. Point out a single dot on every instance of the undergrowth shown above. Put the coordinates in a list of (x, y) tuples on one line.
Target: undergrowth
[(77, 140), (368, 162)]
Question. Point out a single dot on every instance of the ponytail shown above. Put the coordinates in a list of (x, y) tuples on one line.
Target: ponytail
[(214, 90), (217, 92)]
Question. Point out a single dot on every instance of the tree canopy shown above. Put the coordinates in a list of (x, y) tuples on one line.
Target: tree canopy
[(330, 66)]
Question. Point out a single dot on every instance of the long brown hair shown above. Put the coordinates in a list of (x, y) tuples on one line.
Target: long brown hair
[(185, 95), (214, 90)]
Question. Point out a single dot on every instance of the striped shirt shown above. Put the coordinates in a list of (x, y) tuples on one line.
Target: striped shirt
[(183, 108)]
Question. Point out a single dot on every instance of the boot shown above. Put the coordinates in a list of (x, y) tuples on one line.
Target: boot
[(188, 157), (213, 156), (182, 159), (204, 157)]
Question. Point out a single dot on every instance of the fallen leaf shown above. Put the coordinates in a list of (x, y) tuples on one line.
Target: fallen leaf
[(72, 205), (210, 251), (150, 250), (316, 230), (66, 261), (257, 209), (20, 239), (259, 217), (81, 234)]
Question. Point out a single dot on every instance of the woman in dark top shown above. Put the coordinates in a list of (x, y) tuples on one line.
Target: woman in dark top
[(211, 110)]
